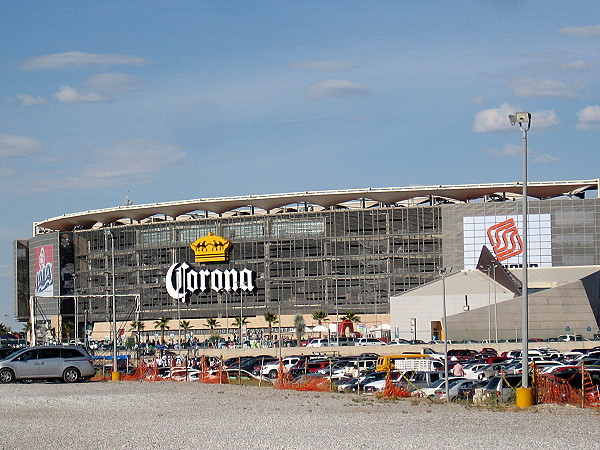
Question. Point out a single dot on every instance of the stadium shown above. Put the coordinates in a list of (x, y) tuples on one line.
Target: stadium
[(293, 254)]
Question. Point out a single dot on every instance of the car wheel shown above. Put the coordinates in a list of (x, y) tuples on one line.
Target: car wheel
[(7, 376), (454, 399), (273, 374), (70, 375)]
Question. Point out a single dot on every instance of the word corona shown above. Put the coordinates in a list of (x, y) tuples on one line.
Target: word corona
[(182, 280)]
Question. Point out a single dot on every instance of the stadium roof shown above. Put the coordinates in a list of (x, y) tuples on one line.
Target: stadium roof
[(409, 196)]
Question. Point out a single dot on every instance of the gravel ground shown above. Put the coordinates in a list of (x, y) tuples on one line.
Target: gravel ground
[(193, 415)]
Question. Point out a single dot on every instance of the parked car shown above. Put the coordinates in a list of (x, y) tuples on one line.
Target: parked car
[(399, 342), (318, 342), (369, 341), (271, 369), (69, 364), (453, 388), (467, 390), (502, 388), (570, 337)]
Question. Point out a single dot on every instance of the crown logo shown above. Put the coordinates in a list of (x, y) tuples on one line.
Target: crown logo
[(211, 248)]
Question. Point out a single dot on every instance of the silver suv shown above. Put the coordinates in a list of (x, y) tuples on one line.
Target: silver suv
[(69, 364)]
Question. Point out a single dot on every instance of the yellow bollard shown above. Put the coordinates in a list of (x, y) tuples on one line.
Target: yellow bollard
[(524, 397), (116, 376)]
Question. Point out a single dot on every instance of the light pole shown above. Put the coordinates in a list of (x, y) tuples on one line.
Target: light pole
[(443, 273), (116, 376), (488, 268), (279, 320), (495, 303), (524, 121)]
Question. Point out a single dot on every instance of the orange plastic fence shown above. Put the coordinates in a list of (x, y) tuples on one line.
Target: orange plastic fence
[(308, 383), (392, 391), (552, 389)]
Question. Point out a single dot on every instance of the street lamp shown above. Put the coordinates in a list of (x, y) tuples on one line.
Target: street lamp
[(523, 119), (116, 376), (443, 273)]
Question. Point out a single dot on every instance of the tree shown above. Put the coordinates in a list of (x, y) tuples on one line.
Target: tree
[(300, 327), (3, 329), (185, 325), (68, 328), (319, 316), (212, 323), (162, 324), (351, 316), (137, 326), (271, 318), (240, 322)]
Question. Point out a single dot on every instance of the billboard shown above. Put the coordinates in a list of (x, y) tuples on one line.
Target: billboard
[(44, 262), (502, 235)]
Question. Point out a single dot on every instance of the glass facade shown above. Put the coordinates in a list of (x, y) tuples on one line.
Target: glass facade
[(349, 259), (352, 259)]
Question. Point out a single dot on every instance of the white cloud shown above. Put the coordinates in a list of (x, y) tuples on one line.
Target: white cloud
[(79, 59), (326, 66), (589, 118), (108, 82), (528, 87), (67, 94), (511, 150), (507, 150), (545, 159), (129, 161), (575, 65), (18, 146), (587, 31), (496, 119), (28, 100), (337, 88), (545, 118)]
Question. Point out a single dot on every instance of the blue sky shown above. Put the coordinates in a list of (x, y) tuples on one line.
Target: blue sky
[(187, 99)]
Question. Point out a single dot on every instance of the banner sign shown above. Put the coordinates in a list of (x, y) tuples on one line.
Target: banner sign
[(502, 235), (44, 282)]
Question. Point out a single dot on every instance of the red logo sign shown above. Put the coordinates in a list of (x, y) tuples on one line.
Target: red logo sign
[(505, 239)]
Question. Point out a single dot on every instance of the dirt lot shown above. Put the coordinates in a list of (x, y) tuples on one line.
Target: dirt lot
[(192, 415)]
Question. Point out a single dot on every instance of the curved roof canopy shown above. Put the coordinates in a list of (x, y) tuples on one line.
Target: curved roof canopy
[(325, 199)]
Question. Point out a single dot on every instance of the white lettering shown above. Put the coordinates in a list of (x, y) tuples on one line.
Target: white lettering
[(182, 280)]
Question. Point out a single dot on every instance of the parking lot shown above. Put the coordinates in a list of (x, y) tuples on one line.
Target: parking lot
[(191, 415)]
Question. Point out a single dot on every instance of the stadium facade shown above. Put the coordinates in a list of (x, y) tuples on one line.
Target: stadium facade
[(336, 251)]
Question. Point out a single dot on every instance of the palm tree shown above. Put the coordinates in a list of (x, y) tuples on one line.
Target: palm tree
[(212, 323), (3, 329), (352, 317), (240, 322), (162, 324), (185, 326), (271, 318), (137, 326), (300, 327), (319, 316), (68, 328)]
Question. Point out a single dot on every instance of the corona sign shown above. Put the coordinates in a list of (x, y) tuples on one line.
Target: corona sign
[(211, 248), (182, 281)]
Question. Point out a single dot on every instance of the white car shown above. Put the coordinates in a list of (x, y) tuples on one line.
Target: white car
[(369, 341), (271, 369), (318, 342)]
